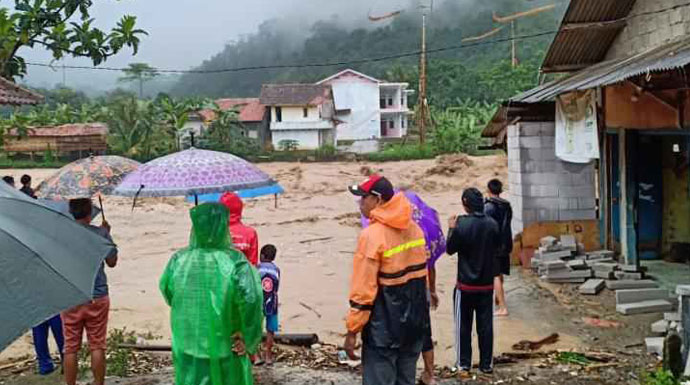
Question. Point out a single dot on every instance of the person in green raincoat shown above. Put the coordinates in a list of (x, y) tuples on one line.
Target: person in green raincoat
[(216, 304)]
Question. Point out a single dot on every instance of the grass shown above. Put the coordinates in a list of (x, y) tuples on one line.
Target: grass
[(395, 153), (29, 164), (659, 377)]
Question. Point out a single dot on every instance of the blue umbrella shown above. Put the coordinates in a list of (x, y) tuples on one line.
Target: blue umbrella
[(48, 263)]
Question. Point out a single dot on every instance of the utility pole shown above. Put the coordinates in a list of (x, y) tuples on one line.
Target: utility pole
[(422, 105), (514, 45)]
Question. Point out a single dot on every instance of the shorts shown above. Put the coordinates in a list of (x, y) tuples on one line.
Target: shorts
[(272, 323), (92, 317)]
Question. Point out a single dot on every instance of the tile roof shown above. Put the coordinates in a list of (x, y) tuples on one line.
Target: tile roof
[(12, 94), (250, 109), (295, 94)]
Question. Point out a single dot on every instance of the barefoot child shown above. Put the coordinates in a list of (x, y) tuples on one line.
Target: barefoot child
[(270, 280)]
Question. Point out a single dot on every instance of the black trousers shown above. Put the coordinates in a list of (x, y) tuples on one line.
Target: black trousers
[(480, 303)]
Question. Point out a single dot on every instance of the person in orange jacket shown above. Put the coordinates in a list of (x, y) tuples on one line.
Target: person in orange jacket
[(244, 238), (388, 294)]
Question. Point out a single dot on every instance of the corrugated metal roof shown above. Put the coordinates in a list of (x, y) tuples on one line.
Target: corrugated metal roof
[(667, 57), (582, 46), (12, 94)]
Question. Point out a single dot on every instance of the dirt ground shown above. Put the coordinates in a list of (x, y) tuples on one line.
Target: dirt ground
[(315, 229)]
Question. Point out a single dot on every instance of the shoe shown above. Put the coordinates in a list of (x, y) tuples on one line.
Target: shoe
[(487, 372), (464, 374), (46, 370)]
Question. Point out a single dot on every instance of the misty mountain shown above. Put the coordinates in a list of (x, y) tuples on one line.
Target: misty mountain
[(279, 42)]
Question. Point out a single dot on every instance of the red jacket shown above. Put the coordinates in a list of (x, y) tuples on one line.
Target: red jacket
[(244, 238)]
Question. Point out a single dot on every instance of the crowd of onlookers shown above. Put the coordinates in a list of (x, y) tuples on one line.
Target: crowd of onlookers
[(222, 289)]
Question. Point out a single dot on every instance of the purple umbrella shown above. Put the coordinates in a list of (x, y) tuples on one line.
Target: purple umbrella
[(427, 218), (193, 172)]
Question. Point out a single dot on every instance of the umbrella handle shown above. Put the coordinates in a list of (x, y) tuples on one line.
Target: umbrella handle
[(134, 202), (100, 203)]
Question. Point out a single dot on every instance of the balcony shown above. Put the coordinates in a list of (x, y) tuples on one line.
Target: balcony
[(302, 125)]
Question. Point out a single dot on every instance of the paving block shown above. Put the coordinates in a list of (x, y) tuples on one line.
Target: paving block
[(603, 274), (655, 345), (639, 295), (577, 264), (553, 265), (547, 241), (568, 242), (660, 326), (601, 260), (631, 284), (683, 290), (604, 266), (644, 307), (556, 255), (564, 280), (570, 274), (672, 316), (601, 254), (622, 275), (630, 268), (592, 287)]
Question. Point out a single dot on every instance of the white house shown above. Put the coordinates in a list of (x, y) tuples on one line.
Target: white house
[(368, 108), (300, 112)]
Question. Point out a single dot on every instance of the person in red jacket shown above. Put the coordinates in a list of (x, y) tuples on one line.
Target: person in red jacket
[(244, 238)]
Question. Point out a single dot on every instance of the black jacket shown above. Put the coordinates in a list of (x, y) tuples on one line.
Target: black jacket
[(500, 210), (474, 240)]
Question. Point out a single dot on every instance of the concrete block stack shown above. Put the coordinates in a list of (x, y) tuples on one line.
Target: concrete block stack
[(642, 301)]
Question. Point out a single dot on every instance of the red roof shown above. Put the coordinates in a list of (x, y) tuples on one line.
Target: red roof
[(76, 129), (12, 94), (251, 109)]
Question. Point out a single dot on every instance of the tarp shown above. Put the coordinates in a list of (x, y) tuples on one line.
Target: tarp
[(244, 194), (214, 294), (577, 138)]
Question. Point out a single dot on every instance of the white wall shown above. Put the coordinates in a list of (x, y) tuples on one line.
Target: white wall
[(361, 97), (296, 114), (308, 139)]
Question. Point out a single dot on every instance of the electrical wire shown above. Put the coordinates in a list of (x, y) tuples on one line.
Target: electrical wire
[(356, 61)]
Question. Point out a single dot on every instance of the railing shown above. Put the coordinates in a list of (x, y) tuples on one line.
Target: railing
[(306, 125)]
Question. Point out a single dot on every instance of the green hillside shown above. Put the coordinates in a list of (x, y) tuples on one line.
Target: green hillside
[(481, 72)]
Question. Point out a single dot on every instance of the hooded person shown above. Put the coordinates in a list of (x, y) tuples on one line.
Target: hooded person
[(216, 304), (244, 238), (388, 293)]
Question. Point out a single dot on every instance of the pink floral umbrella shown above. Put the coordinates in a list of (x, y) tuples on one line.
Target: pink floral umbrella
[(193, 172)]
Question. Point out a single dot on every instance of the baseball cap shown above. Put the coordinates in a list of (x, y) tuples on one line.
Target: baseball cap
[(376, 185)]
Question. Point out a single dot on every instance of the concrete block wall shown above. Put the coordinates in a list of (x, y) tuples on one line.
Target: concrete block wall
[(543, 188), (652, 29)]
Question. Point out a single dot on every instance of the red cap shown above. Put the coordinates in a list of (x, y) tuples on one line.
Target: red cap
[(376, 185)]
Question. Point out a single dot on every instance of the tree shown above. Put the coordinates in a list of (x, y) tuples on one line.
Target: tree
[(63, 27), (141, 73)]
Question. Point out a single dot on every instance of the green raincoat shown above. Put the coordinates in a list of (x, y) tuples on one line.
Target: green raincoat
[(214, 294)]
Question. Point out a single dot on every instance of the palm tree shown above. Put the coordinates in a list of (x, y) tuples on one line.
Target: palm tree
[(141, 73)]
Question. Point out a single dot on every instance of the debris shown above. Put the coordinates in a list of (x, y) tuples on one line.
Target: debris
[(316, 240), (592, 287), (547, 241), (627, 284), (632, 268), (655, 345), (302, 340), (572, 358), (602, 323), (450, 164), (577, 264), (526, 345), (568, 242), (304, 305), (672, 317), (654, 306), (603, 274), (555, 255)]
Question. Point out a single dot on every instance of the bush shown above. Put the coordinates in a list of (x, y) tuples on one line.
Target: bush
[(288, 145), (660, 377), (398, 152), (326, 153), (458, 129)]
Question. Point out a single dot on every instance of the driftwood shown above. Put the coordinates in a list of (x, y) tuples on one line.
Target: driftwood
[(536, 345), (305, 340)]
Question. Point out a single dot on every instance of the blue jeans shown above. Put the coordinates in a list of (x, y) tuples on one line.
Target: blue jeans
[(40, 333)]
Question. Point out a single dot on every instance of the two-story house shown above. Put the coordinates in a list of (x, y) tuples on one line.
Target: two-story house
[(300, 112), (368, 108)]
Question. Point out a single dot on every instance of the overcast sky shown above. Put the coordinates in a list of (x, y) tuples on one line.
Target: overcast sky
[(182, 33)]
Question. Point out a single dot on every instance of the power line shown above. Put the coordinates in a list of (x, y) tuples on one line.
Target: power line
[(361, 61), (312, 65)]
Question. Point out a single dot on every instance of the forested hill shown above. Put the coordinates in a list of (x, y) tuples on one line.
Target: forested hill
[(480, 72)]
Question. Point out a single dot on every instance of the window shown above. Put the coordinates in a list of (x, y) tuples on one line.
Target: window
[(402, 100), (391, 124), (390, 101), (383, 103), (279, 114), (403, 123), (305, 112)]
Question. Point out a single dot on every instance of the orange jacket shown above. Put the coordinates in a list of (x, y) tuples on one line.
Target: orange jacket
[(389, 275)]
